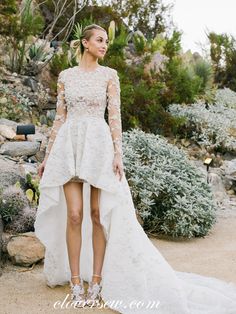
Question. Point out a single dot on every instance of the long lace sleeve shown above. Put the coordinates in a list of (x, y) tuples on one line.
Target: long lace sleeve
[(61, 112), (114, 114)]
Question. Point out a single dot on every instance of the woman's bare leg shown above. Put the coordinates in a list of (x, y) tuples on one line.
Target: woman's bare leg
[(74, 199), (99, 240)]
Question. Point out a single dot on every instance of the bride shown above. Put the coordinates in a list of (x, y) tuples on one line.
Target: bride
[(86, 216)]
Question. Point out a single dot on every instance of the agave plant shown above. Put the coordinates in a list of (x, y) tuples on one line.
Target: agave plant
[(37, 53)]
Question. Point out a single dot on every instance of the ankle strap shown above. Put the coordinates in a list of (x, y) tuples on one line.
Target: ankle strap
[(95, 275), (76, 276)]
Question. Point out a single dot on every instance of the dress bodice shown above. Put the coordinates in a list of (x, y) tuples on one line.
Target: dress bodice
[(85, 91), (88, 93)]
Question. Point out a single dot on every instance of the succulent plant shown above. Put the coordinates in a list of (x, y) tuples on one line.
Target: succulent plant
[(12, 201), (22, 222)]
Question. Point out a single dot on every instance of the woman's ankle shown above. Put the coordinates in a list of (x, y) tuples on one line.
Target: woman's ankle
[(76, 279), (96, 279)]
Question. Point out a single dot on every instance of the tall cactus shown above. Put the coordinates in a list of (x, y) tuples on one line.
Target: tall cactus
[(111, 31)]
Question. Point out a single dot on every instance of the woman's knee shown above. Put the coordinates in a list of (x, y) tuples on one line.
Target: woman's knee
[(95, 215), (75, 217)]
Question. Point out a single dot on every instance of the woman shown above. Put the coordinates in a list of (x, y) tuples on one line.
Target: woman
[(86, 217)]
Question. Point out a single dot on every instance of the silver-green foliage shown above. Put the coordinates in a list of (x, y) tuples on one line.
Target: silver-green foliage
[(209, 125), (226, 97), (170, 194)]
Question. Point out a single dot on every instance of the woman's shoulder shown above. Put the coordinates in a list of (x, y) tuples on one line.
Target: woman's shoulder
[(111, 70), (111, 73), (106, 71), (62, 75)]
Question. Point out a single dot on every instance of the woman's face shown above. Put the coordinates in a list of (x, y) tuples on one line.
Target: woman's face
[(97, 44)]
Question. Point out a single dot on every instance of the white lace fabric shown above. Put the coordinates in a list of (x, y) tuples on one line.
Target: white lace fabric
[(61, 113), (78, 103), (114, 114)]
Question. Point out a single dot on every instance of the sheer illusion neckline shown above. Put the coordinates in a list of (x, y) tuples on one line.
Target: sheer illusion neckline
[(85, 71)]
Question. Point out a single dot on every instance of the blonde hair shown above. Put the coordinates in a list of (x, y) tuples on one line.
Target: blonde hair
[(87, 32)]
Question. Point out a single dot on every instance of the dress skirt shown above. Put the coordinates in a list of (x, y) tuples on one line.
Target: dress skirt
[(134, 271)]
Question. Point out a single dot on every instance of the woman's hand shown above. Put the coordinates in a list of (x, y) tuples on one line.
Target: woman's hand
[(41, 167), (118, 166)]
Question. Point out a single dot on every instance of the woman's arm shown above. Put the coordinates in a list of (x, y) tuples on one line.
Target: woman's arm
[(60, 117), (114, 114)]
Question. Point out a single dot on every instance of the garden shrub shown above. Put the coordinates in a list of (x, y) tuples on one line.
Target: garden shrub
[(226, 97), (170, 194), (14, 104), (211, 125)]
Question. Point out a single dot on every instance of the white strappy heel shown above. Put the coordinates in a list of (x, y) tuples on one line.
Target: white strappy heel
[(77, 292), (94, 292)]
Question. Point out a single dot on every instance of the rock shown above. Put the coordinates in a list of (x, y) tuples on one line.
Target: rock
[(19, 137), (7, 131), (8, 122), (37, 137), (25, 249), (14, 149), (218, 190), (199, 164), (227, 180), (10, 173), (28, 168), (229, 156), (6, 237), (157, 62), (229, 166)]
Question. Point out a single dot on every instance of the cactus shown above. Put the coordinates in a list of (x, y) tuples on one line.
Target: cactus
[(111, 31), (17, 184), (30, 194), (12, 201), (33, 188), (22, 222), (43, 119)]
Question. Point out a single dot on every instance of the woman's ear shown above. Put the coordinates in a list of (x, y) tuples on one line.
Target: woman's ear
[(84, 42)]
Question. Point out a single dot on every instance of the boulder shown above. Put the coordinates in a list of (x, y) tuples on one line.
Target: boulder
[(15, 149), (7, 131), (10, 173), (8, 122), (25, 249)]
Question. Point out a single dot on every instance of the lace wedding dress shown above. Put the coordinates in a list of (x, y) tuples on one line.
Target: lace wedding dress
[(82, 146)]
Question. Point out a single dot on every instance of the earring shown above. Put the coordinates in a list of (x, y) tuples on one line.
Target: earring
[(87, 49)]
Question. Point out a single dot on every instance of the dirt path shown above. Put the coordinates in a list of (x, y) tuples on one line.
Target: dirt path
[(214, 255)]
